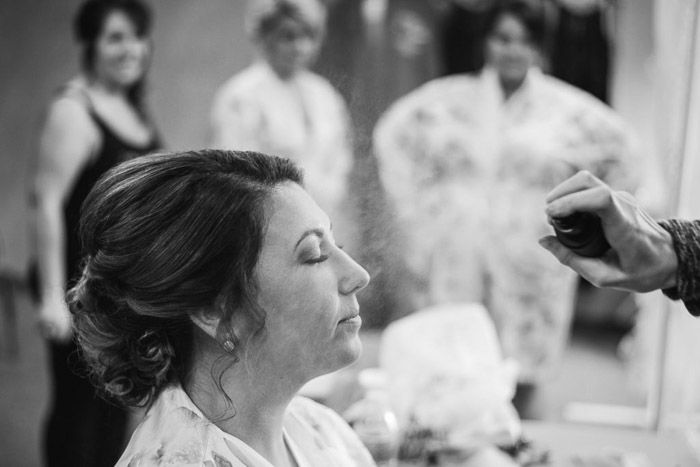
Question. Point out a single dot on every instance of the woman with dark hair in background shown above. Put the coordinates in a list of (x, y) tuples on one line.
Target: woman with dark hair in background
[(468, 161), (97, 120), (212, 290)]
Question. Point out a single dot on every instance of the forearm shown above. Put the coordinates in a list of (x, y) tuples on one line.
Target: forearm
[(686, 243), (50, 249)]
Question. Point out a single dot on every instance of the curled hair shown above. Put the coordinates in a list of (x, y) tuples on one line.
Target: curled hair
[(529, 12), (90, 21), (165, 236)]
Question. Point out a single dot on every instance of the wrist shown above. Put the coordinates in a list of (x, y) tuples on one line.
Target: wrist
[(672, 238), (669, 275)]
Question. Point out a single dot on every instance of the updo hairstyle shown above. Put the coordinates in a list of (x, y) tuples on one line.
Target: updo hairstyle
[(530, 13), (165, 236), (265, 15)]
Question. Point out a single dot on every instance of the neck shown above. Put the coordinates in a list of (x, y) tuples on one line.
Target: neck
[(107, 88), (283, 73), (256, 410), (509, 87)]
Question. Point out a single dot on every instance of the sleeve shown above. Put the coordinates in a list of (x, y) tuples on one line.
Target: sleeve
[(236, 122), (614, 154), (686, 243), (401, 145)]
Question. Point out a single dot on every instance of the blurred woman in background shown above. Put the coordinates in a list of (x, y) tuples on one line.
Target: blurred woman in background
[(96, 120), (468, 160), (278, 106)]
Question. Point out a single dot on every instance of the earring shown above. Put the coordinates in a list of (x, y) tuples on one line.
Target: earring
[(229, 346)]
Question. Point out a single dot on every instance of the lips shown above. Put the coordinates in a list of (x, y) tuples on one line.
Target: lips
[(353, 317)]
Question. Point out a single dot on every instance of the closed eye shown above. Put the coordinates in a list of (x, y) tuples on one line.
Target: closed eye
[(317, 260)]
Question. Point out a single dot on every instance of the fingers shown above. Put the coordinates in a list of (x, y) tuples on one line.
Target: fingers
[(551, 244), (583, 180), (595, 270), (58, 330), (597, 199)]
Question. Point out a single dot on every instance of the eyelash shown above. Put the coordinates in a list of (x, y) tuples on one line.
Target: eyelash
[(317, 260), (322, 258)]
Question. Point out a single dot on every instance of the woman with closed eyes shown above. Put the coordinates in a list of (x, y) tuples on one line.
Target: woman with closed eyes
[(215, 308)]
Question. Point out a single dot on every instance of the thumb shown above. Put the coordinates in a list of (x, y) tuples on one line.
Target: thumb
[(600, 272), (563, 254)]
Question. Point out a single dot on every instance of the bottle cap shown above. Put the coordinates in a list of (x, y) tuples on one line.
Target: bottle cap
[(582, 233)]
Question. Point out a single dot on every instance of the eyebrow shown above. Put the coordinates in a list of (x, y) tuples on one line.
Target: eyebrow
[(318, 232)]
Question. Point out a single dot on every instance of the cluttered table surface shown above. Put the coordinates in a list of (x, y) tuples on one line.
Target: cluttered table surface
[(453, 405), (580, 445)]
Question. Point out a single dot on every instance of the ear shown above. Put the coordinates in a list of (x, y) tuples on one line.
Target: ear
[(207, 321)]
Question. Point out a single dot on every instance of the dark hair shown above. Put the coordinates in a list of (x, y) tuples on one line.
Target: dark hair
[(529, 13), (89, 22), (164, 236), (265, 18)]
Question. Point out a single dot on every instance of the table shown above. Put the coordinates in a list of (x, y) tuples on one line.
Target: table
[(663, 449)]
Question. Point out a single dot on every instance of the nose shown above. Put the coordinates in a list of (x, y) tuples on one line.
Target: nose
[(303, 45), (135, 46), (353, 276)]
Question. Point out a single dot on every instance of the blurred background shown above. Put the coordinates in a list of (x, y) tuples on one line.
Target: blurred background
[(632, 358)]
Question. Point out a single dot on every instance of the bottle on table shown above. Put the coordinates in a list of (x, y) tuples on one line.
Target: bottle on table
[(373, 419)]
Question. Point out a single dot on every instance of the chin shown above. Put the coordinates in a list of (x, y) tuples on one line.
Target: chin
[(129, 78), (349, 354), (513, 75)]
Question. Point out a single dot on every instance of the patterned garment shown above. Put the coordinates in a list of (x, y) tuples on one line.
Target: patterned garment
[(175, 432), (686, 242), (303, 118), (468, 173)]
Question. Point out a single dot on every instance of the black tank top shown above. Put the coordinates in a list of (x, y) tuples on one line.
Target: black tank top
[(112, 151)]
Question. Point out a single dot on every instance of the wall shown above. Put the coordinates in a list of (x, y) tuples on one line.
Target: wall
[(678, 110), (197, 46)]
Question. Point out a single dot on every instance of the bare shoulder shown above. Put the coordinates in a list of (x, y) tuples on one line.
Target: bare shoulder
[(69, 136), (69, 108)]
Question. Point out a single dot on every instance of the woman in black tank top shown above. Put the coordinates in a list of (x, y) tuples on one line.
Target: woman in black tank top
[(97, 121)]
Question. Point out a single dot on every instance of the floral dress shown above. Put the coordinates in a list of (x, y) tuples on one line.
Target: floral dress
[(468, 172)]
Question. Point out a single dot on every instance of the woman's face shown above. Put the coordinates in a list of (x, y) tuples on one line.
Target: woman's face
[(509, 49), (290, 46), (307, 287), (120, 54)]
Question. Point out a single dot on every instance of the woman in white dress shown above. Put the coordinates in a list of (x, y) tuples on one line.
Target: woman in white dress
[(468, 160), (215, 308), (278, 106)]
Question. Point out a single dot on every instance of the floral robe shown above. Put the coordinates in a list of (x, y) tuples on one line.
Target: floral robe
[(304, 119), (175, 432), (468, 172)]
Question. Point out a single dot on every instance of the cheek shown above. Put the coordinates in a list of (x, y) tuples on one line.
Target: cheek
[(491, 51), (305, 306), (109, 58), (313, 313), (143, 51), (302, 329)]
